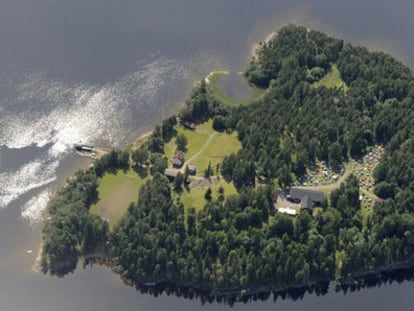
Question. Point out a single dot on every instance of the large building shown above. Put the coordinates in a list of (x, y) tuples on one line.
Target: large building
[(306, 197)]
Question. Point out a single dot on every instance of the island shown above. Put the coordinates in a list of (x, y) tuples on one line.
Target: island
[(310, 181)]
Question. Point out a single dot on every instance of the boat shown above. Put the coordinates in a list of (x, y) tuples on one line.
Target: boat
[(85, 150)]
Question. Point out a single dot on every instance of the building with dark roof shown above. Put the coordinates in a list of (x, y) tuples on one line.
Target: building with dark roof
[(192, 169), (306, 203), (178, 159), (307, 198), (189, 125)]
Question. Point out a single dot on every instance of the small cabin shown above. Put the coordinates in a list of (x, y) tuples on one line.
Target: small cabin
[(171, 173), (178, 159), (192, 170), (189, 125)]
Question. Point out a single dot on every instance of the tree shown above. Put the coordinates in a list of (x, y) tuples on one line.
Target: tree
[(159, 166), (155, 142), (178, 182), (123, 159), (168, 128), (208, 194), (208, 172), (181, 142), (140, 156), (227, 167), (385, 190), (221, 196), (219, 123), (335, 153), (191, 221), (285, 179)]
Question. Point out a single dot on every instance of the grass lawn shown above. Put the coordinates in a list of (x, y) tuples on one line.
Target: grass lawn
[(331, 79), (219, 146), (116, 191), (206, 145), (195, 198), (196, 140), (258, 91)]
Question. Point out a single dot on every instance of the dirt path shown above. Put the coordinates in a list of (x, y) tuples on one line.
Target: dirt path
[(334, 185), (182, 169)]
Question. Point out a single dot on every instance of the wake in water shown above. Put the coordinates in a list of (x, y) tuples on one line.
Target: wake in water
[(38, 112), (44, 113)]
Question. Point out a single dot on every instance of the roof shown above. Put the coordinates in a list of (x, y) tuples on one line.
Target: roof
[(320, 89), (306, 203), (177, 161), (180, 155), (190, 125), (314, 196), (170, 172), (287, 210), (191, 167)]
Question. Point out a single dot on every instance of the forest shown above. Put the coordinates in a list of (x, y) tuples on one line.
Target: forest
[(240, 241)]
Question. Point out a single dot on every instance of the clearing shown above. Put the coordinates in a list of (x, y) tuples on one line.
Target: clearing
[(331, 79), (116, 192)]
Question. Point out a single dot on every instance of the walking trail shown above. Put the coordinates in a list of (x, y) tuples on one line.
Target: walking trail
[(211, 136)]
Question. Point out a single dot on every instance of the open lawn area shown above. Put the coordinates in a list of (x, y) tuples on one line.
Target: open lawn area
[(195, 197), (116, 192), (331, 79), (220, 145), (196, 140), (204, 146)]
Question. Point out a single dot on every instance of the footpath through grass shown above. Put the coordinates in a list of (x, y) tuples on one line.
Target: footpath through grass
[(218, 147), (205, 146), (196, 140), (117, 191)]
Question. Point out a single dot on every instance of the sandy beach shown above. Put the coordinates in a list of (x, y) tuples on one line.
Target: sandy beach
[(255, 48)]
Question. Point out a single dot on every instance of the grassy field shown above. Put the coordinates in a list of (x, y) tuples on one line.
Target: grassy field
[(205, 145), (220, 145), (196, 140), (195, 197), (331, 79), (116, 191)]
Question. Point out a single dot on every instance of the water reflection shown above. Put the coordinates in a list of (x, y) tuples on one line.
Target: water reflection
[(266, 293)]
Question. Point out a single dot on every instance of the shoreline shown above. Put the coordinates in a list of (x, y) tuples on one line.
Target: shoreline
[(141, 137), (357, 280), (68, 172), (353, 279), (256, 46), (212, 73)]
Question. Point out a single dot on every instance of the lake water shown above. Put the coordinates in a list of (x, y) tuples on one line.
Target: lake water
[(104, 71)]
